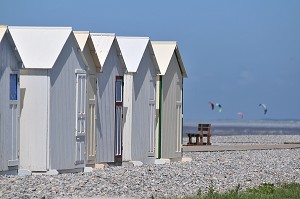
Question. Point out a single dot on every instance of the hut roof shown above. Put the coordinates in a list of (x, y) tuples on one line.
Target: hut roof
[(102, 43), (39, 47), (163, 51), (132, 49), (83, 38), (3, 29)]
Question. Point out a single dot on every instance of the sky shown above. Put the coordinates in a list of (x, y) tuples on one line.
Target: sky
[(236, 53)]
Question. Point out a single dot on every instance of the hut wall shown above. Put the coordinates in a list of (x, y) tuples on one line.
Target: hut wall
[(106, 103)]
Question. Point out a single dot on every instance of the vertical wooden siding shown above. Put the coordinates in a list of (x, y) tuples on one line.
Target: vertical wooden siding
[(142, 79), (171, 91), (8, 63), (62, 106), (106, 103)]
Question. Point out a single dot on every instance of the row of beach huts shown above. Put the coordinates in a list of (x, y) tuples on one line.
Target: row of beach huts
[(70, 100)]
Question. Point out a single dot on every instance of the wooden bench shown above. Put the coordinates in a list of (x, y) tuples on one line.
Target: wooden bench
[(204, 131)]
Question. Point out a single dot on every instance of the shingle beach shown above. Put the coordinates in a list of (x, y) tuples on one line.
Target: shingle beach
[(220, 170)]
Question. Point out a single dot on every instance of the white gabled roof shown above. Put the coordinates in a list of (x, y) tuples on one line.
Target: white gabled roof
[(102, 43), (83, 38), (132, 49), (163, 51), (39, 47), (2, 31)]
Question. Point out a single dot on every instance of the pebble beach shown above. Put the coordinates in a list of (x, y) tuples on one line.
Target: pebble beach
[(221, 171)]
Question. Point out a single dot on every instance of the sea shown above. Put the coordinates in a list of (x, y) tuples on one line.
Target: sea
[(246, 127)]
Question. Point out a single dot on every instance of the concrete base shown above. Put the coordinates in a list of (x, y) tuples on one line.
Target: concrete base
[(126, 164), (186, 159), (9, 172), (77, 170), (162, 161), (136, 163), (87, 169), (101, 166), (52, 172), (24, 172)]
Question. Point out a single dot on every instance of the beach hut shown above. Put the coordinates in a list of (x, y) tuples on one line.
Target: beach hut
[(139, 99), (93, 67), (169, 95), (9, 104), (110, 98), (53, 99)]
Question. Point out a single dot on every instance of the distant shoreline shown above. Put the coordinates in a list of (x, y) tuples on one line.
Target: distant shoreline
[(220, 128)]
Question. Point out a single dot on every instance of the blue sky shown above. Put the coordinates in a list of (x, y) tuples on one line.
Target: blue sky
[(236, 53)]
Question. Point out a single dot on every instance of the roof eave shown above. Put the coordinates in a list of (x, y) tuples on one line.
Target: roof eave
[(94, 54), (119, 54), (153, 57), (180, 62)]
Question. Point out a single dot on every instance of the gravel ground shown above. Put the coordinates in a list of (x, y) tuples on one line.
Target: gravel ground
[(220, 170)]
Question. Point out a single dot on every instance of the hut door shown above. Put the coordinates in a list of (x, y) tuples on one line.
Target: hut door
[(80, 116), (91, 120), (178, 115), (151, 150), (15, 118), (118, 118)]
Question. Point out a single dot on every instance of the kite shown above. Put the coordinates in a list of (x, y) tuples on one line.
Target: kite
[(265, 108), (212, 105), (220, 107), (241, 114)]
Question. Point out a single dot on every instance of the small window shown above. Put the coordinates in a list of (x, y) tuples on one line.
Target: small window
[(13, 87), (119, 83), (178, 90), (152, 89)]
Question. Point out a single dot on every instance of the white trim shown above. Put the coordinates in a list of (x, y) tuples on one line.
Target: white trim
[(80, 71), (13, 163), (48, 162)]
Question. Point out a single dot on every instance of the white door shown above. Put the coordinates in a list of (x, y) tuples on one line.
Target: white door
[(178, 126), (151, 150), (91, 120), (178, 115), (15, 118), (80, 117)]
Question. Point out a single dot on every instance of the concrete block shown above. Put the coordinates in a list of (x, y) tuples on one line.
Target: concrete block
[(87, 169), (162, 161), (186, 159), (136, 163), (101, 166), (126, 164), (9, 172), (24, 172), (52, 172), (167, 161)]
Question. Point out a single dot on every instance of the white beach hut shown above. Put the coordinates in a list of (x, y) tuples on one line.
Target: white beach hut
[(110, 95), (53, 99), (139, 99), (9, 104), (93, 67), (170, 96)]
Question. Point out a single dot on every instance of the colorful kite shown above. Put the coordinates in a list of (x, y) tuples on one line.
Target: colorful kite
[(219, 106), (212, 105), (265, 108), (241, 114)]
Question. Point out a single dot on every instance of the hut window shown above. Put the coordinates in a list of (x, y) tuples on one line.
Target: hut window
[(152, 89), (178, 90), (13, 87), (119, 90)]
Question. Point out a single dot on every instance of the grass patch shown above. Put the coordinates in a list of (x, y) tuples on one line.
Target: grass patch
[(264, 191)]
